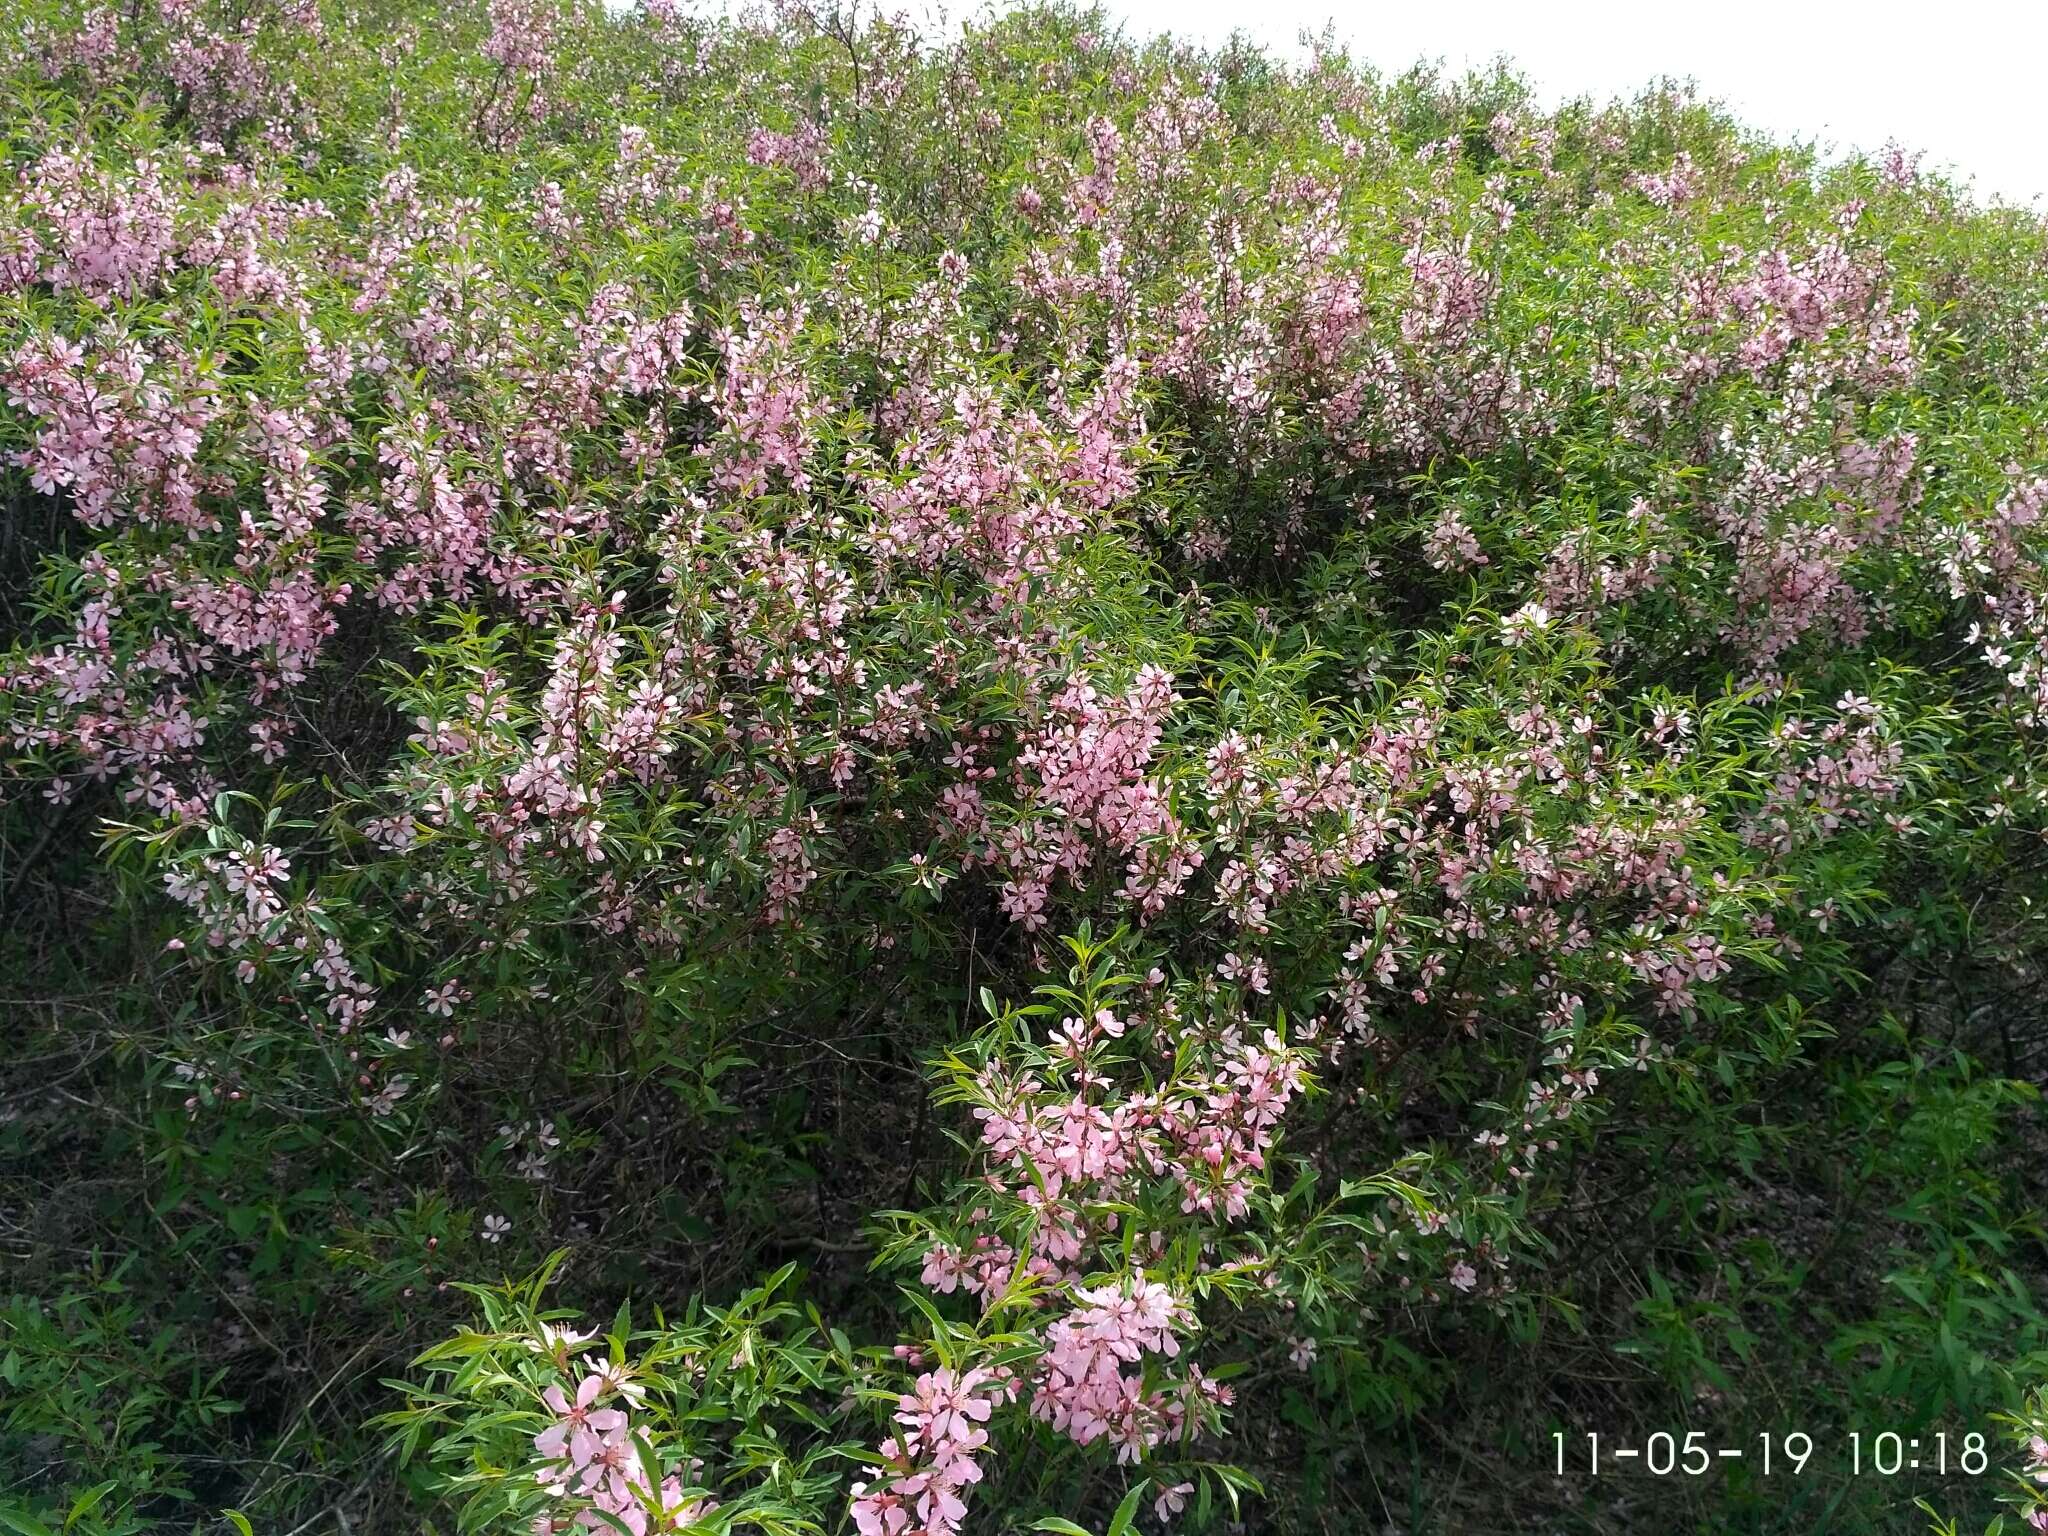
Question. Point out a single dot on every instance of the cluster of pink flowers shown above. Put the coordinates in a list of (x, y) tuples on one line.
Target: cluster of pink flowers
[(2036, 1471), (1082, 784), (522, 44), (1084, 1387), (919, 1488), (221, 63), (1847, 769), (802, 152), (1069, 1143), (243, 904), (1996, 563), (596, 1458)]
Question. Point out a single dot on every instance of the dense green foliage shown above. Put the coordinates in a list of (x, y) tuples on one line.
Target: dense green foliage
[(755, 774)]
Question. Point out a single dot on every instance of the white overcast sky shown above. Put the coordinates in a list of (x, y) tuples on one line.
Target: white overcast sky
[(1965, 81)]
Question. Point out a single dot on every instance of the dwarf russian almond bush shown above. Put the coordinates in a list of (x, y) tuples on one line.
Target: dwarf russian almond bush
[(1120, 785)]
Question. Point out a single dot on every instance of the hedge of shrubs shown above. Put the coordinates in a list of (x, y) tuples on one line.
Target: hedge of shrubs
[(766, 773)]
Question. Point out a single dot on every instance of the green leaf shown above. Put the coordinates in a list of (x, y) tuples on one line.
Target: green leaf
[(16, 1517), (88, 1501), (1127, 1511)]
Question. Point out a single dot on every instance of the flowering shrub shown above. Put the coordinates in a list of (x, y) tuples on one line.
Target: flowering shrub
[(1257, 771)]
